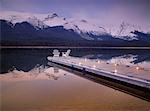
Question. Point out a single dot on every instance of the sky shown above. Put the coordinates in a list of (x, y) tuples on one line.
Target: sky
[(105, 12)]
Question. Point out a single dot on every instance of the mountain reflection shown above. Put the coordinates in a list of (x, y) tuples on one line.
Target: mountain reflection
[(27, 59), (37, 73)]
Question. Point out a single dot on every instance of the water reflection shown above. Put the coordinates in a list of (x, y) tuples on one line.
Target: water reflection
[(27, 86), (128, 59), (37, 73), (39, 92), (27, 59)]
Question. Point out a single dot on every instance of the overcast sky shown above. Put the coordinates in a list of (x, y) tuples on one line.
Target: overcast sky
[(99, 11)]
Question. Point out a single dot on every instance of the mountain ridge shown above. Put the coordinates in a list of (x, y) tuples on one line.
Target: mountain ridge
[(51, 32), (78, 25)]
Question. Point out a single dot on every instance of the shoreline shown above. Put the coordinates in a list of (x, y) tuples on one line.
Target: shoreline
[(44, 47)]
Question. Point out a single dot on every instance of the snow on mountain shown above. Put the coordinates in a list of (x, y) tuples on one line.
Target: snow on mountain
[(83, 27), (125, 29), (44, 20), (17, 17), (54, 20), (80, 26)]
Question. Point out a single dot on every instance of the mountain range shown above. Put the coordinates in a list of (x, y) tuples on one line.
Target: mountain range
[(52, 30)]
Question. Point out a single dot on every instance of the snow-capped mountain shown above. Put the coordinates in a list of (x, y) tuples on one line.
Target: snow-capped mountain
[(17, 17), (48, 26), (124, 31), (54, 20), (82, 27)]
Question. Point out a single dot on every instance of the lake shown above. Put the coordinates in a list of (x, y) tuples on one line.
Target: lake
[(28, 83)]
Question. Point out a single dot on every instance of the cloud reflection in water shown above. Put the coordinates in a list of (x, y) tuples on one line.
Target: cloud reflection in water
[(37, 73)]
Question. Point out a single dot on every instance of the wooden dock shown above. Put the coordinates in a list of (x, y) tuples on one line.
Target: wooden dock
[(125, 75)]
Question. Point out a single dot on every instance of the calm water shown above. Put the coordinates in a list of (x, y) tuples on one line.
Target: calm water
[(29, 84)]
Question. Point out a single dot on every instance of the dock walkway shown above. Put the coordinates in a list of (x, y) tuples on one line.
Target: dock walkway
[(129, 74)]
